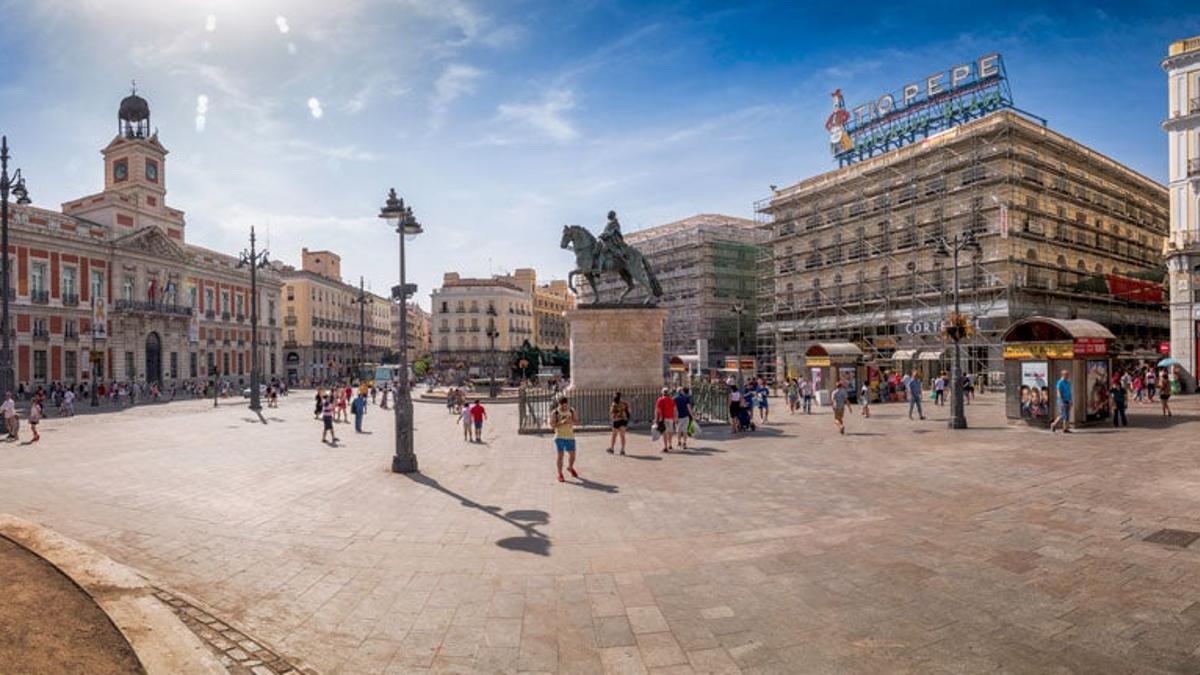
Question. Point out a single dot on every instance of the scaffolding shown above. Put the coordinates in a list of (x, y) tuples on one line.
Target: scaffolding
[(853, 250)]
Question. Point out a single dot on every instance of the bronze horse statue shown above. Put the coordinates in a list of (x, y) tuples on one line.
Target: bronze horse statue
[(593, 261)]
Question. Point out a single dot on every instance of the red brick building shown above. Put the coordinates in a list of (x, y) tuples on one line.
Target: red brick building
[(113, 273)]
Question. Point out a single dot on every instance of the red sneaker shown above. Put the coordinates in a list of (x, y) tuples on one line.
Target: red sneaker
[(573, 472), (560, 478)]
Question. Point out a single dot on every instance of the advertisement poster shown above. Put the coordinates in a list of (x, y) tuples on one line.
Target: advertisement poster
[(99, 319), (194, 328), (1097, 389), (818, 382), (1035, 394)]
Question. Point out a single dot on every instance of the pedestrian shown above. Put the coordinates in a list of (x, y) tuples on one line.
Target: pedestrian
[(1151, 384), (763, 409), (478, 415), (69, 402), (969, 387), (563, 420), (1164, 392), (914, 395), (358, 409), (683, 416), (343, 403), (664, 417), (327, 420), (374, 391), (864, 398), (793, 395), (9, 407), (465, 418), (35, 416), (1063, 389), (319, 405), (735, 407), (939, 390), (806, 395), (1116, 393), (840, 397), (618, 412)]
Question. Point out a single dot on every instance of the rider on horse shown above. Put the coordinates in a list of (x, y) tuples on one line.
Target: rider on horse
[(612, 244)]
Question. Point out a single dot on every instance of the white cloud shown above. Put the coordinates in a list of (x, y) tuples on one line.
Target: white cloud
[(314, 108), (210, 23), (201, 112), (281, 23), (546, 117), (455, 81)]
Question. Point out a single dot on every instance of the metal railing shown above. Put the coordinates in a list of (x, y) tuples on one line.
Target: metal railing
[(152, 307), (710, 402), (70, 299), (39, 297)]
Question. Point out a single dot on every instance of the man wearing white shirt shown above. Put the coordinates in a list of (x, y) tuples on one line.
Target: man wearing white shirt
[(10, 415)]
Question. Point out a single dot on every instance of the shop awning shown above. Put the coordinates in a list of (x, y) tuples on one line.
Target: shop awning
[(930, 355), (844, 349), (903, 354), (1046, 329)]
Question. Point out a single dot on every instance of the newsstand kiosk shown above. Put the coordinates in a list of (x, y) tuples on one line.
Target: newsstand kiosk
[(1036, 352), (826, 362)]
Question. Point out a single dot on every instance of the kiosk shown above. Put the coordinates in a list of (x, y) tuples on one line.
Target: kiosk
[(1038, 349), (825, 362)]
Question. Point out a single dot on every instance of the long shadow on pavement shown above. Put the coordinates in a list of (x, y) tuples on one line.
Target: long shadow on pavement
[(532, 541)]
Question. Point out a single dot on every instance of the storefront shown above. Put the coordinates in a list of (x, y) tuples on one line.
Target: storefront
[(827, 362), (1038, 350)]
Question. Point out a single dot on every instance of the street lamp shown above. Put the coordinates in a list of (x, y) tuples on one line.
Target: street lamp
[(254, 259), (401, 218), (492, 334), (739, 308), (362, 299), (949, 248), (16, 185)]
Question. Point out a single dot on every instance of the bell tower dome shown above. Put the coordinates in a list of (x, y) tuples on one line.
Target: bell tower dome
[(133, 117)]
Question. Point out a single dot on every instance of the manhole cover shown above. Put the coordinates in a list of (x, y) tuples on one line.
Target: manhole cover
[(1180, 538)]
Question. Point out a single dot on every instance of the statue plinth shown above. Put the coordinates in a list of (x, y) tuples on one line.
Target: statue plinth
[(616, 347)]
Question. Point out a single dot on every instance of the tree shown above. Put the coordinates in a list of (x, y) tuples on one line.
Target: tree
[(422, 365)]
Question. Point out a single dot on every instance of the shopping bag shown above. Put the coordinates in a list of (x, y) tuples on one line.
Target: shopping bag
[(933, 395), (693, 429), (655, 434)]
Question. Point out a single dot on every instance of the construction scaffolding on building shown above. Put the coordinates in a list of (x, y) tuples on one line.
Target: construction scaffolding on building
[(853, 250)]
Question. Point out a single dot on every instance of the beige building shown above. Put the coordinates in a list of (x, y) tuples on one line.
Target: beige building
[(1064, 232), (327, 331), (477, 322), (1183, 244), (419, 337), (549, 302)]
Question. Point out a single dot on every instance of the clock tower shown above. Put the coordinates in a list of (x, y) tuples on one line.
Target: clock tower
[(134, 177)]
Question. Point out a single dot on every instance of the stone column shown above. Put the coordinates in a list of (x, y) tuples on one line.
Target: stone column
[(616, 347)]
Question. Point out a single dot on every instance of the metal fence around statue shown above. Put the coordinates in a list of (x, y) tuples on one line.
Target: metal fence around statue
[(710, 403)]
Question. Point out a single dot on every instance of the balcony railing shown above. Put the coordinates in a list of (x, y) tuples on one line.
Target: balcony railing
[(41, 334), (271, 321), (71, 335), (289, 344), (241, 318), (224, 316), (148, 307), (39, 297), (1193, 167), (210, 314), (1194, 105), (70, 299)]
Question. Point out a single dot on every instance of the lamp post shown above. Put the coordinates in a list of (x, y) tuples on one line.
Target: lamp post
[(949, 248), (214, 373), (362, 299), (16, 185), (739, 308), (253, 259), (492, 334), (401, 217)]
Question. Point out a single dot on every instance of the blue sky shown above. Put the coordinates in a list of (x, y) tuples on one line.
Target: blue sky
[(500, 121)]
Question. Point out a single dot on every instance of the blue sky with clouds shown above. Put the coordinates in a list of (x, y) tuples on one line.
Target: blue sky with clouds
[(500, 121)]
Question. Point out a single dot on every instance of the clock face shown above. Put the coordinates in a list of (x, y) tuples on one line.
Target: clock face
[(121, 170), (151, 171)]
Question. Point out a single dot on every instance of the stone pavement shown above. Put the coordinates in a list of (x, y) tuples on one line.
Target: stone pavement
[(902, 547)]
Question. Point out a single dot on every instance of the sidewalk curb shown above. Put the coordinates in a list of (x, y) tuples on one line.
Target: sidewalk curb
[(161, 642)]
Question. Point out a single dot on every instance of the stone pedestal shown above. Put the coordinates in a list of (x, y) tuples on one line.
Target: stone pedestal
[(616, 347)]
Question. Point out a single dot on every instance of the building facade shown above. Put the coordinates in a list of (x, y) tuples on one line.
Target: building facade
[(706, 264), (476, 323), (109, 289), (419, 338), (1064, 232), (1183, 244), (330, 326), (550, 301)]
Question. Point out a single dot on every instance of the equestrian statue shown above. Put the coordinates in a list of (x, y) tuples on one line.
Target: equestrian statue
[(609, 253)]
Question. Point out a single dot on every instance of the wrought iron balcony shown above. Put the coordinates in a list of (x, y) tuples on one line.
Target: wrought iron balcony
[(71, 335), (148, 307), (70, 299), (40, 334), (1194, 105), (241, 318), (224, 316), (39, 297), (271, 321)]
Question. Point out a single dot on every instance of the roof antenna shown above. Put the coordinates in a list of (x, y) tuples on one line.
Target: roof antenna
[(133, 86)]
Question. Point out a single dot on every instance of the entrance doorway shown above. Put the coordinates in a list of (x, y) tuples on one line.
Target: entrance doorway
[(153, 359)]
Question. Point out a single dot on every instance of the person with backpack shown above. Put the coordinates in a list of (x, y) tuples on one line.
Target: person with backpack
[(563, 420), (618, 412)]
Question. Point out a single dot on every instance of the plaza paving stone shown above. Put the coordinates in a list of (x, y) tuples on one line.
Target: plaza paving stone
[(901, 547)]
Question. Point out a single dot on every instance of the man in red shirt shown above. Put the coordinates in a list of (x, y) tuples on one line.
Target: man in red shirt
[(664, 417), (478, 414)]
